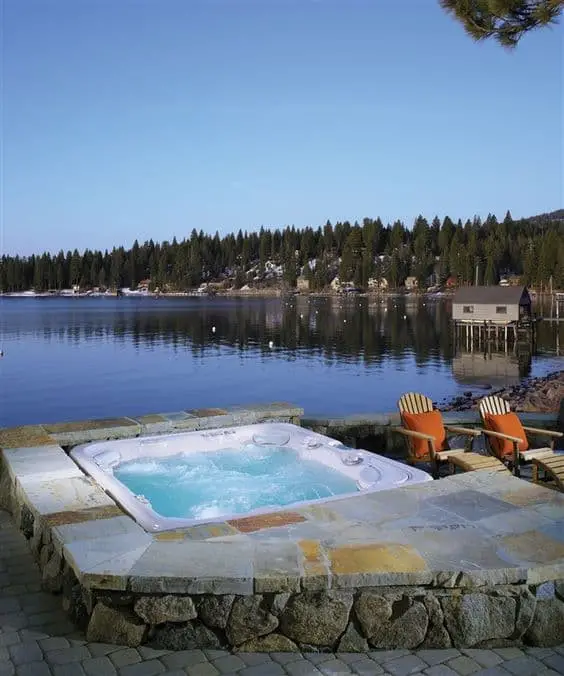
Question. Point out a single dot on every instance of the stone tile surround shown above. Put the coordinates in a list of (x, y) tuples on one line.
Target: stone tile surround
[(471, 561)]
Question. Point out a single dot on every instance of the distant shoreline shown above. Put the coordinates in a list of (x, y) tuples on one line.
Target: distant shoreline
[(253, 293), (240, 293)]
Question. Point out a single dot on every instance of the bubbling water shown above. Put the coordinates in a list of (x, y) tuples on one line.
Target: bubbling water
[(231, 481)]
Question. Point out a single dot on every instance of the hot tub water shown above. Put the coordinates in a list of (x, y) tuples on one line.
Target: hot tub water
[(230, 481)]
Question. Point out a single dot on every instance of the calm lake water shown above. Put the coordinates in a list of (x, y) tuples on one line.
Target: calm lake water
[(72, 359)]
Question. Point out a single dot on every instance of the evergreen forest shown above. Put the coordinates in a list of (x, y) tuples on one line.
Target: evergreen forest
[(432, 252)]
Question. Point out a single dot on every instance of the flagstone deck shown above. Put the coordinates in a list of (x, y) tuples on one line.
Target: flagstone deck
[(469, 561)]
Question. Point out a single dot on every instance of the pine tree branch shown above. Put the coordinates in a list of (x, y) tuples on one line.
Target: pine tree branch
[(483, 19)]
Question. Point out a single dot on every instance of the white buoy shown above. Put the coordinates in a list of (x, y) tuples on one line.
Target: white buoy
[(301, 316), (213, 329), (270, 344), (344, 321), (405, 316)]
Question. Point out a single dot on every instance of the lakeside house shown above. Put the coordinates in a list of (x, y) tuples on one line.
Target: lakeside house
[(302, 283), (336, 284), (500, 305), (510, 280), (380, 284)]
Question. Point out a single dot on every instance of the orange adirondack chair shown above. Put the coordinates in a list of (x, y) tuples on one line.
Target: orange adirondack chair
[(426, 434), (507, 436)]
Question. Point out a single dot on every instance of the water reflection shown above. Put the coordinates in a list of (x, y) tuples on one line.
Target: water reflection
[(69, 359), (350, 329), (496, 368)]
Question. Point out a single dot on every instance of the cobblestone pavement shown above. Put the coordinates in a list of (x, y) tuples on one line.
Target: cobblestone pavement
[(36, 639)]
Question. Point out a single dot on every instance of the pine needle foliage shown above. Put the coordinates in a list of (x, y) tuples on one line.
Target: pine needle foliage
[(503, 20)]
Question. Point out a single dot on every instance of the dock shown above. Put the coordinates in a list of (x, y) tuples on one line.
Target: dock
[(556, 308)]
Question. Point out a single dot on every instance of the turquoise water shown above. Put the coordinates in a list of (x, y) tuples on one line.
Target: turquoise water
[(229, 481)]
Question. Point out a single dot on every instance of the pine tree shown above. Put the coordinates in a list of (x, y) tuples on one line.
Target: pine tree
[(264, 247), (321, 274), (75, 268), (422, 251), (367, 267)]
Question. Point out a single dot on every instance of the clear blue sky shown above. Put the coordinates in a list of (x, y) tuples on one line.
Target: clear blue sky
[(130, 119)]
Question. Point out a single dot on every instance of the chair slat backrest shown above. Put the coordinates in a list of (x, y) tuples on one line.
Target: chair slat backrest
[(412, 402), (493, 405)]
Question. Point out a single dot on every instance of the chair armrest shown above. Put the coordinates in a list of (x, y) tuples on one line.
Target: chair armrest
[(463, 430), (429, 438), (499, 435), (548, 433), (413, 433), (515, 441)]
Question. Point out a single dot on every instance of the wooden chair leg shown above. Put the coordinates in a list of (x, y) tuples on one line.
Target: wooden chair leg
[(516, 470)]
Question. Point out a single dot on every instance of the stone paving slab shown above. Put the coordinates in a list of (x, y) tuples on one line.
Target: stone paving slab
[(48, 645), (45, 462), (61, 494)]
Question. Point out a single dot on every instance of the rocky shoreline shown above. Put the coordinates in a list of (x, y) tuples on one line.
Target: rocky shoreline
[(534, 395)]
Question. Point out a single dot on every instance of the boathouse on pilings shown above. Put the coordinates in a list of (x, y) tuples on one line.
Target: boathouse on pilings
[(493, 313)]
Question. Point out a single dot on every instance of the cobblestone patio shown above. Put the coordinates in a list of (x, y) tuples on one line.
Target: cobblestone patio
[(36, 639)]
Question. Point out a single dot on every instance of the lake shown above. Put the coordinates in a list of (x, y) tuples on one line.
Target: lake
[(77, 358)]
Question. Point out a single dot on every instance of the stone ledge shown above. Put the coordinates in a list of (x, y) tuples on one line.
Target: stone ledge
[(93, 430), (82, 432), (383, 420)]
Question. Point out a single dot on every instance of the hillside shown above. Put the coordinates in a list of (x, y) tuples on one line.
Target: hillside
[(557, 215)]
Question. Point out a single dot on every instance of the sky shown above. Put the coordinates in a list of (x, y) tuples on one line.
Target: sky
[(125, 119)]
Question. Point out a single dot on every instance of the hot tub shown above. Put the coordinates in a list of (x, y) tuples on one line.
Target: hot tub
[(180, 480)]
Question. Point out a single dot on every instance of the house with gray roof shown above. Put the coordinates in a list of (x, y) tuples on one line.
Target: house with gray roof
[(499, 305)]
